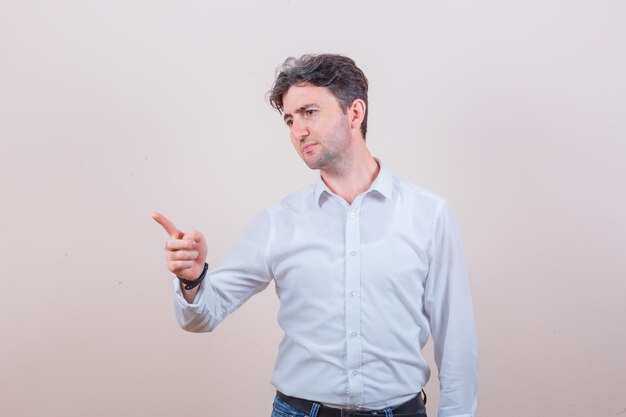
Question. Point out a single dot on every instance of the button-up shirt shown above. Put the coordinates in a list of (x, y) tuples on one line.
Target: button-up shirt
[(361, 287)]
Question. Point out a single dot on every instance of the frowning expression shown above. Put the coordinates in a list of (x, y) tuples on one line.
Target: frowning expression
[(318, 127)]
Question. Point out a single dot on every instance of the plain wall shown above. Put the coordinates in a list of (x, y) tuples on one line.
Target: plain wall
[(515, 111)]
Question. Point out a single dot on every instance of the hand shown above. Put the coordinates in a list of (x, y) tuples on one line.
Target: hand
[(185, 252)]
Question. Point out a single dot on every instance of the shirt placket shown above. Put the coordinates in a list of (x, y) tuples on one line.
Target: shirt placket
[(353, 303)]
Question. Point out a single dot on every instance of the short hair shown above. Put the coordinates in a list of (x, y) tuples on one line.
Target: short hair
[(336, 72)]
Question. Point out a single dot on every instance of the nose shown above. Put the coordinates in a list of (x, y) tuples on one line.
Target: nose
[(299, 129)]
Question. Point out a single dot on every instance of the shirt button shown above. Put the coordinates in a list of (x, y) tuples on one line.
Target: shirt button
[(353, 253), (352, 215), (353, 334), (353, 294), (355, 372)]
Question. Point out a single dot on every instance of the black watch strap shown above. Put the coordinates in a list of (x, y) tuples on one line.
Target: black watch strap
[(193, 284)]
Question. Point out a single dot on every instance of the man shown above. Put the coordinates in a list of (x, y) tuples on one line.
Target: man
[(366, 266)]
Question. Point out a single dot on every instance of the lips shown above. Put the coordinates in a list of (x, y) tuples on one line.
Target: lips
[(308, 147)]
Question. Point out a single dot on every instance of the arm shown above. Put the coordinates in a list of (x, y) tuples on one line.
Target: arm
[(243, 272), (448, 305)]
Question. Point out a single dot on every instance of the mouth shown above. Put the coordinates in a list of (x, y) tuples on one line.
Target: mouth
[(308, 147)]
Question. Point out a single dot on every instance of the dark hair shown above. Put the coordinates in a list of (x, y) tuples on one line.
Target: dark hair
[(336, 72)]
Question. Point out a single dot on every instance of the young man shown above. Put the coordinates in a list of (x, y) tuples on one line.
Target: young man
[(366, 266)]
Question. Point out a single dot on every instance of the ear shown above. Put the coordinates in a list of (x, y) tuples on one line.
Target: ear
[(357, 113)]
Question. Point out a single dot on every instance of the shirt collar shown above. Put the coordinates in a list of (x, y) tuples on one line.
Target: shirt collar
[(382, 184)]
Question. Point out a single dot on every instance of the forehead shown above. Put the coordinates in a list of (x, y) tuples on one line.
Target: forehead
[(303, 95)]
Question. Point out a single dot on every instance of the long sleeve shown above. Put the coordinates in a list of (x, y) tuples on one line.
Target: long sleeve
[(448, 305), (243, 272)]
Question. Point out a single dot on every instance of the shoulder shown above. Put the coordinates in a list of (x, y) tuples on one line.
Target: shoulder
[(297, 201), (418, 195)]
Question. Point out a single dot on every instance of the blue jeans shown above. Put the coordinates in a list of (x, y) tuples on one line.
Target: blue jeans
[(282, 409)]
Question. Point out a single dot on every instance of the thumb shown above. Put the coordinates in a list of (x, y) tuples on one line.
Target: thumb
[(167, 224)]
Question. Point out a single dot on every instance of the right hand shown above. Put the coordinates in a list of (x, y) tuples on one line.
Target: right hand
[(185, 253)]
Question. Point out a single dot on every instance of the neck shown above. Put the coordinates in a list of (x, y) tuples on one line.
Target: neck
[(354, 177)]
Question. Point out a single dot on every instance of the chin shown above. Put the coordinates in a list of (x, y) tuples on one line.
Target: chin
[(311, 163)]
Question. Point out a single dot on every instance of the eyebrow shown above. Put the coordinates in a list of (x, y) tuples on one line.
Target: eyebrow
[(300, 109)]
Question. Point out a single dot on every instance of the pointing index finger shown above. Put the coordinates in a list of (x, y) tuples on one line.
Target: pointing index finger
[(167, 224)]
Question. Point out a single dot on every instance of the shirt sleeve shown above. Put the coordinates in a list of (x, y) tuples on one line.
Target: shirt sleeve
[(243, 272), (448, 306)]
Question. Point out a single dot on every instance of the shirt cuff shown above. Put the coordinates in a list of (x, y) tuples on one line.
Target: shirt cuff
[(180, 299)]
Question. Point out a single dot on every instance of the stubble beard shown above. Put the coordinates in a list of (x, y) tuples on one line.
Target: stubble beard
[(331, 156)]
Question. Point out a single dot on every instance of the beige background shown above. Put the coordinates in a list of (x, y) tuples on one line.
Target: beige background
[(514, 110)]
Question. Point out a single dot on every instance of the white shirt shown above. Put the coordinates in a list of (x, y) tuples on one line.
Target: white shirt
[(361, 287)]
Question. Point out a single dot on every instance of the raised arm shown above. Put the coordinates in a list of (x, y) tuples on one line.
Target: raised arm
[(244, 271)]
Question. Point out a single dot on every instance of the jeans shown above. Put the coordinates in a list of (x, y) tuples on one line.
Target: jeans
[(282, 409)]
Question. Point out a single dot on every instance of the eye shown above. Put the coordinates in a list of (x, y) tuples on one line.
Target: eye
[(310, 112), (289, 122)]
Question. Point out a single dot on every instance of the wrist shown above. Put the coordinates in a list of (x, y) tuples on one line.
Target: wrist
[(190, 284)]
